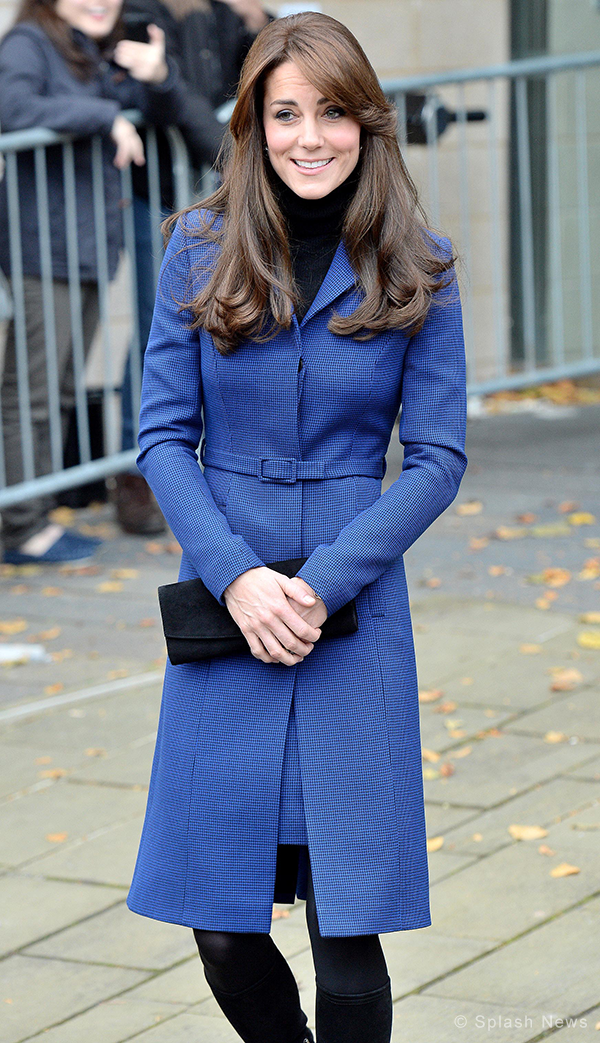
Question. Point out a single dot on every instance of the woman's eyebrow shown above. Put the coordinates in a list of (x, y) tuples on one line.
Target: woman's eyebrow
[(290, 101)]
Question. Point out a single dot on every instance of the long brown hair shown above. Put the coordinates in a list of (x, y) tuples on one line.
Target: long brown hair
[(251, 292), (44, 13)]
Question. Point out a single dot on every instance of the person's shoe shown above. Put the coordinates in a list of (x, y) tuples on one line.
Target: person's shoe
[(136, 507), (71, 546)]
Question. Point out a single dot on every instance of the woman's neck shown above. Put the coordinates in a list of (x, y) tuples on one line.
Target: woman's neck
[(313, 218)]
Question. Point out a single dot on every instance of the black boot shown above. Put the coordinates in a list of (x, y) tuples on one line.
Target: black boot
[(267, 1012), (360, 1018)]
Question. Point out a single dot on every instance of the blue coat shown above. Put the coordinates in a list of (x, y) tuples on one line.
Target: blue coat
[(250, 754)]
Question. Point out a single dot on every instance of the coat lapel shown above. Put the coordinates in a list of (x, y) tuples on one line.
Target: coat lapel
[(340, 278)]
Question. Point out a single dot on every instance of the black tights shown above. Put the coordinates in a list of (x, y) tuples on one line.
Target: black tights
[(349, 972)]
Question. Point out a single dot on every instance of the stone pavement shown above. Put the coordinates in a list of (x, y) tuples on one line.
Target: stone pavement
[(511, 739)]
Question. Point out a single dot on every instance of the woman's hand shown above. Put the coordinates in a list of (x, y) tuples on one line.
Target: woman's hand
[(130, 148), (251, 12), (144, 61), (263, 604)]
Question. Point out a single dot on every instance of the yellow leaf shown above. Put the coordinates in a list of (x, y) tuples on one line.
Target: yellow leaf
[(581, 518), (13, 626), (110, 586), (43, 760), (510, 532), (478, 542), (95, 751), (434, 843), (49, 635), (554, 737), (58, 657), (589, 639), (469, 507), (53, 773), (113, 675), (429, 755), (542, 603), (530, 649), (464, 752), (51, 592), (498, 570), (565, 679), (564, 869), (430, 695), (589, 617), (124, 573), (430, 773), (56, 838), (519, 832), (53, 689), (551, 529)]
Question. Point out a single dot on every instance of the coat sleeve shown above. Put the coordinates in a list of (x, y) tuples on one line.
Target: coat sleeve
[(24, 103), (171, 429), (432, 431)]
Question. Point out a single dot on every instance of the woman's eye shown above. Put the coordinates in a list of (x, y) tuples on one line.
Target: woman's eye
[(334, 113), (284, 114)]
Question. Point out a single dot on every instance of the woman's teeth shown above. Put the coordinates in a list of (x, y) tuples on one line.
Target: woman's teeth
[(311, 164)]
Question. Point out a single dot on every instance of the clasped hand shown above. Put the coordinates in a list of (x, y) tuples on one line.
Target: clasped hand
[(279, 617)]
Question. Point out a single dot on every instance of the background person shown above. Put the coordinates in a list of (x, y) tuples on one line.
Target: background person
[(209, 41), (296, 312), (57, 70)]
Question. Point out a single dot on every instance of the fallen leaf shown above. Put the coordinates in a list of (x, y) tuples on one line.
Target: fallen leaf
[(527, 517), (469, 507), (53, 689), (589, 617), (430, 695), (43, 760), (452, 722), (564, 869), (591, 569), (280, 914), (478, 542), (53, 773), (21, 588), (430, 773), (530, 649), (58, 657), (447, 769), (466, 680), (519, 832), (554, 737), (49, 635), (103, 530), (464, 752), (457, 733), (433, 581), (173, 547), (551, 529), (565, 678), (95, 751), (434, 843), (449, 706), (543, 849), (147, 622), (498, 570), (591, 541), (585, 825), (56, 838), (430, 755), (13, 626), (110, 586), (154, 547), (80, 570), (477, 837), (589, 639), (510, 532), (567, 506), (51, 592), (124, 573), (114, 675), (581, 518)]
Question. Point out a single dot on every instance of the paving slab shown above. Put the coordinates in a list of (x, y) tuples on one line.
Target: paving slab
[(121, 938), (127, 767), (443, 863), (589, 770), (536, 971), (107, 856), (45, 992), (433, 1019), (110, 1022), (582, 1029), (576, 715), (443, 652), (24, 766), (440, 817), (415, 958), (437, 728), (540, 806), (504, 894), (62, 808), (33, 907), (183, 984), (500, 767), (192, 1028)]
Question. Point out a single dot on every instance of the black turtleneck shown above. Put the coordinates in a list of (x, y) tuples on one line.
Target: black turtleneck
[(315, 229)]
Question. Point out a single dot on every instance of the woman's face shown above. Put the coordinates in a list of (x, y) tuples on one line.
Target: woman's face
[(313, 145), (95, 18)]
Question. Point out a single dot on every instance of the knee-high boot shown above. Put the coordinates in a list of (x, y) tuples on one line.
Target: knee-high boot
[(354, 1018), (267, 1012)]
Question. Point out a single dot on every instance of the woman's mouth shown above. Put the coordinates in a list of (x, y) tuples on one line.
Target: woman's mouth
[(312, 166)]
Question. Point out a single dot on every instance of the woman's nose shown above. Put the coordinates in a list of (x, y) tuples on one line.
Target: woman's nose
[(310, 135)]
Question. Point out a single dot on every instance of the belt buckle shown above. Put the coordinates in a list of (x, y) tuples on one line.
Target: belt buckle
[(277, 462)]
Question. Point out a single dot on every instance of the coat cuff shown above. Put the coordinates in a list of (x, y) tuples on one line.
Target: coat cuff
[(326, 580), (218, 573)]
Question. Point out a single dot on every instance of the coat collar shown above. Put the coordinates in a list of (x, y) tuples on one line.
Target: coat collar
[(340, 278)]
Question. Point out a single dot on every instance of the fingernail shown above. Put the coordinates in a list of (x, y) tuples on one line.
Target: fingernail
[(309, 597)]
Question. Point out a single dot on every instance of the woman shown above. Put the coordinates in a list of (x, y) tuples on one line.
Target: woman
[(58, 69), (315, 303)]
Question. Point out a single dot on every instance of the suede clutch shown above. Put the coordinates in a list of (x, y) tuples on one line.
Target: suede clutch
[(197, 626)]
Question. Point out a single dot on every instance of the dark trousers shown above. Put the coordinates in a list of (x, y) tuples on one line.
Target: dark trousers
[(255, 987), (25, 519)]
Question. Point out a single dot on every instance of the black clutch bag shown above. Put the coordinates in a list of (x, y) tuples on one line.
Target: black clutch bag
[(197, 626)]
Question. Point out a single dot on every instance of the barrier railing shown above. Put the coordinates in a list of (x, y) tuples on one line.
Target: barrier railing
[(501, 156)]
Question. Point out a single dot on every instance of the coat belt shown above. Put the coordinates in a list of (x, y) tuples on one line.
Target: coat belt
[(288, 469)]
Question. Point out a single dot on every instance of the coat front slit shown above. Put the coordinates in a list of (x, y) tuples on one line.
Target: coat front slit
[(256, 763)]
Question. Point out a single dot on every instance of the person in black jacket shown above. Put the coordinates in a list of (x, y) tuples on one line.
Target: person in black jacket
[(57, 70), (209, 40)]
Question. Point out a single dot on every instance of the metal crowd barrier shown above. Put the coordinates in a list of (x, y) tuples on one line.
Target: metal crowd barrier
[(528, 303)]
